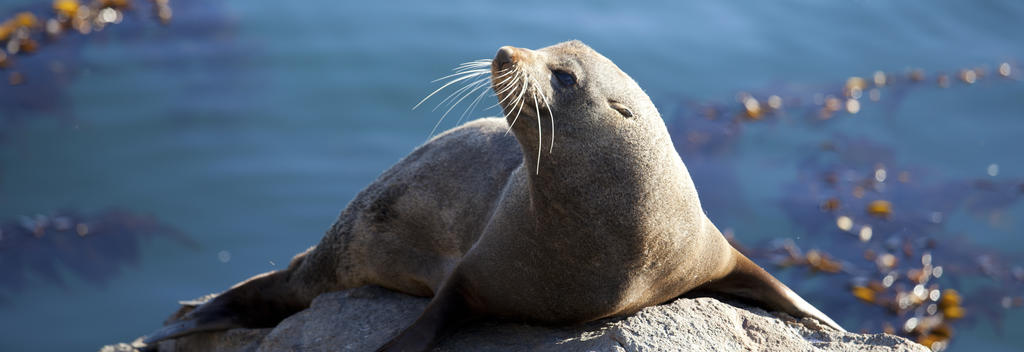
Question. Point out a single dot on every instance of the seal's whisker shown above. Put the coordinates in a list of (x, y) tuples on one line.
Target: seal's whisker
[(467, 91), (456, 93), (504, 78), (507, 78), (460, 90), (550, 113), (519, 101), (463, 72), (476, 84), (506, 88), (473, 104), (446, 85), (512, 106), (483, 82), (471, 66), (493, 106), (474, 63), (510, 94), (540, 132), (472, 69)]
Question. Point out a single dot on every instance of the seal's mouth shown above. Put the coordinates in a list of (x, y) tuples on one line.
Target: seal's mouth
[(517, 91)]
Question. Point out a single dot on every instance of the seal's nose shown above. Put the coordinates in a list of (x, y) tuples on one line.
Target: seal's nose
[(506, 56)]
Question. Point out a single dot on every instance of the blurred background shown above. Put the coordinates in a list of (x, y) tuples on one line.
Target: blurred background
[(868, 153)]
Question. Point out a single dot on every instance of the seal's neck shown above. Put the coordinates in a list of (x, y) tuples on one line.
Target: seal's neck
[(615, 190)]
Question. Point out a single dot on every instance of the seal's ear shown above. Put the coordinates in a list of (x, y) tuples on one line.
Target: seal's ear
[(621, 108)]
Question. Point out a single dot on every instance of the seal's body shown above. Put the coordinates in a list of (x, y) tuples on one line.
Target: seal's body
[(603, 223)]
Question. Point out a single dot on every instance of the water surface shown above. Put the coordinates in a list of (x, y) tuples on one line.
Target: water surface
[(247, 126)]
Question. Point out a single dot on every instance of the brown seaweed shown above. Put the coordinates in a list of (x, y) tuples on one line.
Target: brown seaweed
[(40, 46), (91, 247), (876, 229)]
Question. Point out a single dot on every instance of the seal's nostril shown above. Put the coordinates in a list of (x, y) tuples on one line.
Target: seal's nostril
[(506, 55)]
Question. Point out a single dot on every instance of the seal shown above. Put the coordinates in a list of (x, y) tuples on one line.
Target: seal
[(601, 222)]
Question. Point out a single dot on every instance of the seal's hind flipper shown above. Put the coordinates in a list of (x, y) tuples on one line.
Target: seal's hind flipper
[(749, 281), (186, 327), (259, 302), (210, 313)]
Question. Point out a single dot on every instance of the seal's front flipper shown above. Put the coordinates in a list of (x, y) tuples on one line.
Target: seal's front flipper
[(749, 281), (446, 312)]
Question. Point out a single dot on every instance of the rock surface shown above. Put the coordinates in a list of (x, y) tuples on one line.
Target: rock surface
[(364, 318)]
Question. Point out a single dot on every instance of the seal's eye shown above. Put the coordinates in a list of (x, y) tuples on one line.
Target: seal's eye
[(565, 78), (621, 108)]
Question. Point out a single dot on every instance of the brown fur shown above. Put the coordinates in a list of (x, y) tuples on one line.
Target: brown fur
[(609, 222)]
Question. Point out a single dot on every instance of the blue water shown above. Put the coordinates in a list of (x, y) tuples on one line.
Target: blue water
[(249, 125)]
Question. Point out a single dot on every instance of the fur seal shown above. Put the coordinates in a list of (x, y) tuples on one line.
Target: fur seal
[(600, 223)]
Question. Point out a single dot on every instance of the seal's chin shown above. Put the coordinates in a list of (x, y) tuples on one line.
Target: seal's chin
[(507, 84), (515, 95), (520, 106)]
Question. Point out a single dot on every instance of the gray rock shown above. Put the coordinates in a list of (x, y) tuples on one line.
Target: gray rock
[(364, 318)]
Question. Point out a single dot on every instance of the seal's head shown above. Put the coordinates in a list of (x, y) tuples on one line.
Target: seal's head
[(572, 91), (580, 122)]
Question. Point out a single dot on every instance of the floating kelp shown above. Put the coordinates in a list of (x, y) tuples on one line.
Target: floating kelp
[(93, 248), (905, 261), (901, 268), (40, 46), (22, 33), (846, 99), (44, 80), (875, 229)]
